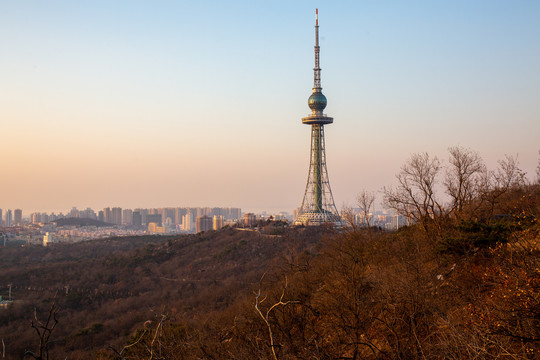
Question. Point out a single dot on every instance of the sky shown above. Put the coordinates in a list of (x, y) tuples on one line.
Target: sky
[(199, 103)]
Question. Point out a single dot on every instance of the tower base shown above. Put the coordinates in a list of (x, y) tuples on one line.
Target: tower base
[(315, 219)]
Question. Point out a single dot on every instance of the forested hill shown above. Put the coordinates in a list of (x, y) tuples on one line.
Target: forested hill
[(80, 222), (461, 282), (458, 285), (105, 289)]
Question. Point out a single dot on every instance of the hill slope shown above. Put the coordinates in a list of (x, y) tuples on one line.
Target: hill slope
[(106, 288)]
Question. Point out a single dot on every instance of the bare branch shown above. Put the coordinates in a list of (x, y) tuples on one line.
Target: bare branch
[(365, 200), (415, 197), (462, 175), (44, 332), (347, 214), (266, 316)]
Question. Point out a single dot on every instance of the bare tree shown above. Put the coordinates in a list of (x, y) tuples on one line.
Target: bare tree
[(414, 195), (44, 331), (465, 168), (155, 341), (509, 174), (259, 299), (495, 184), (127, 347), (347, 215), (366, 199)]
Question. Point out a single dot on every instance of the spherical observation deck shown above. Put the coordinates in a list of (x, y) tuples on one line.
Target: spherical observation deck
[(317, 103)]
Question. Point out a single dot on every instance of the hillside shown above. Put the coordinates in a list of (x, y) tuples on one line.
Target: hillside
[(80, 222), (461, 284), (104, 289)]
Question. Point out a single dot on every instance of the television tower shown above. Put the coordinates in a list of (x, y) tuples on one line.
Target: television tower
[(318, 204)]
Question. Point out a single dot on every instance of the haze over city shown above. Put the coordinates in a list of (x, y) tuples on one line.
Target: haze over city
[(139, 104)]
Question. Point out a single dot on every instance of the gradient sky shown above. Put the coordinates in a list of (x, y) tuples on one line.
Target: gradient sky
[(199, 103)]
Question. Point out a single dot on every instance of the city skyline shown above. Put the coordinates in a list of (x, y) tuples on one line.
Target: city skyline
[(135, 104), (108, 212)]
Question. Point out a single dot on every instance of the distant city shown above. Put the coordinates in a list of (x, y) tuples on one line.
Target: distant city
[(79, 225), (39, 228)]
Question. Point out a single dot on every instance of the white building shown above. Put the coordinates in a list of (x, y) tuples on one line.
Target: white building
[(48, 238), (187, 223), (218, 222)]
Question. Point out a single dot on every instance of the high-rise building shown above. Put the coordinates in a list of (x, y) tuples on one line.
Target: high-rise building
[(155, 218), (218, 222), (236, 213), (398, 221), (74, 213), (187, 222), (137, 219), (179, 215), (116, 216), (203, 223), (107, 217), (1, 219), (35, 218), (8, 218), (250, 219), (87, 214), (17, 217), (127, 217), (232, 213), (168, 213), (318, 204), (144, 214)]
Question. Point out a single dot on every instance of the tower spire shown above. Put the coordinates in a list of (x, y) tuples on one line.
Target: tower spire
[(317, 70)]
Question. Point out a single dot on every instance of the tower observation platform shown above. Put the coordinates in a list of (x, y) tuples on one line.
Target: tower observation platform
[(318, 205)]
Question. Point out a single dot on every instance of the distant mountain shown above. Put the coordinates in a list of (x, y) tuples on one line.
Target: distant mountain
[(80, 222)]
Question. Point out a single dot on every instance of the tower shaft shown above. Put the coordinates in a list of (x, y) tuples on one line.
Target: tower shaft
[(317, 149), (318, 204)]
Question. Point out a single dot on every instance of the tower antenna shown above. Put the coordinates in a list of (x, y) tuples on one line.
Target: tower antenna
[(317, 68)]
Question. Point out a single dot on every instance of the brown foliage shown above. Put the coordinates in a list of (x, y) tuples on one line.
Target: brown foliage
[(396, 297), (108, 288)]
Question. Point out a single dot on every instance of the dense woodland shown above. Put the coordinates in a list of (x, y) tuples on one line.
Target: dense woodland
[(461, 282)]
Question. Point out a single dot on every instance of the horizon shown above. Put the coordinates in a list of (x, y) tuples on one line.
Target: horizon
[(141, 105)]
